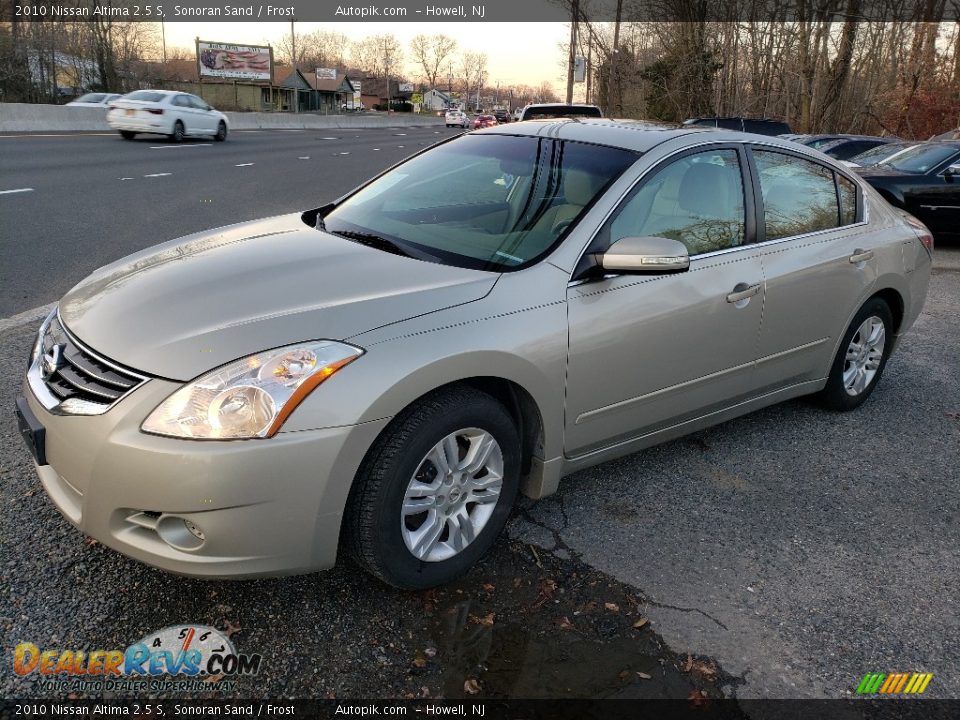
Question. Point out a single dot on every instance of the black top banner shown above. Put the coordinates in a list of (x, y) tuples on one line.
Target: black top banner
[(425, 11)]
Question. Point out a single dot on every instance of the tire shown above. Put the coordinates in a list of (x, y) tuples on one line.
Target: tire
[(127, 134), (178, 132), (850, 382), (221, 132), (382, 539)]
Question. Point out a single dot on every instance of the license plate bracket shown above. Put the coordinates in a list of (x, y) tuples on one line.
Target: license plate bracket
[(32, 431)]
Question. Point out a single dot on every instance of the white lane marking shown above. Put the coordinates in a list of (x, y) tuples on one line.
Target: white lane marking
[(329, 138), (399, 145), (158, 175), (397, 135), (345, 153), (303, 157), (126, 178), (436, 132), (18, 190), (244, 165), (173, 147), (58, 135), (27, 316), (376, 148)]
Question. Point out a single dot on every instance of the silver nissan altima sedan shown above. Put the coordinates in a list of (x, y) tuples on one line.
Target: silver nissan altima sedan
[(382, 375)]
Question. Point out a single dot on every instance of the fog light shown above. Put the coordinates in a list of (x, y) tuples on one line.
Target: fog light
[(180, 533), (194, 530)]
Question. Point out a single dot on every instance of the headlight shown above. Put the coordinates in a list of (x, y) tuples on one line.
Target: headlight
[(251, 397)]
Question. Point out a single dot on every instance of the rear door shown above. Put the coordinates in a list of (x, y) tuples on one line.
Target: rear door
[(819, 259), (936, 198)]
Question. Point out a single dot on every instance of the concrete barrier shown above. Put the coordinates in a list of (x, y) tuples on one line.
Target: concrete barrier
[(27, 117)]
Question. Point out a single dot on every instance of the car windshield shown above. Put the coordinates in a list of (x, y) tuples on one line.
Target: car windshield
[(922, 158), (90, 98), (489, 202), (878, 153), (144, 95)]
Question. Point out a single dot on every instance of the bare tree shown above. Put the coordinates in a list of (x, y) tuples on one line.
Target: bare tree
[(430, 52), (379, 55)]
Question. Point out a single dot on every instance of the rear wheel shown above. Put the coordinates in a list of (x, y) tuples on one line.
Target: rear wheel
[(221, 132), (178, 132), (435, 490), (860, 360), (127, 134)]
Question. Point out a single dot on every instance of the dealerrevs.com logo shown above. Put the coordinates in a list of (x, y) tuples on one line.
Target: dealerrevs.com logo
[(184, 652)]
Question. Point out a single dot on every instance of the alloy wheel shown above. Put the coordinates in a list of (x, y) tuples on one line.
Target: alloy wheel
[(864, 354), (452, 495)]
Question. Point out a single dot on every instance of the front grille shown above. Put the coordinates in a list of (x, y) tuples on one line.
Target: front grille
[(73, 372)]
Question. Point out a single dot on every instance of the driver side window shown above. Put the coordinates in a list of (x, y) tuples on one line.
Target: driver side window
[(697, 200)]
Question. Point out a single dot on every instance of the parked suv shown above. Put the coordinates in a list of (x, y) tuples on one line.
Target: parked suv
[(760, 126), (541, 111), (456, 118)]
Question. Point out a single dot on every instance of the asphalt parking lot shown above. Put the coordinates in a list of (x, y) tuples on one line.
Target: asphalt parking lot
[(784, 554)]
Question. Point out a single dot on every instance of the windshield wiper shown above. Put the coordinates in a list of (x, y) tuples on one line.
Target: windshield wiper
[(375, 241)]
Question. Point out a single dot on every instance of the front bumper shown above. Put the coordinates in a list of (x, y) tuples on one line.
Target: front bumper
[(265, 507)]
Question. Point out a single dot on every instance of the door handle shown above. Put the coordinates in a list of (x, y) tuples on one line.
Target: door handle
[(860, 256), (742, 291)]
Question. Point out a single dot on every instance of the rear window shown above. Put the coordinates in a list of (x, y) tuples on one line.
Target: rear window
[(144, 95)]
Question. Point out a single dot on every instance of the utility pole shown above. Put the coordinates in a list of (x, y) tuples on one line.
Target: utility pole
[(293, 61), (613, 60), (386, 56), (163, 36), (571, 60)]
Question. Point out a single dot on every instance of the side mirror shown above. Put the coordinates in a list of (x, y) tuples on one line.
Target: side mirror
[(645, 255), (951, 172)]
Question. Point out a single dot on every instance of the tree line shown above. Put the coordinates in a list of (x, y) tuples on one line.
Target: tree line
[(820, 67)]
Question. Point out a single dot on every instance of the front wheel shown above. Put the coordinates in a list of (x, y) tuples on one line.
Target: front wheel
[(435, 490), (860, 360), (221, 132), (178, 132), (127, 134)]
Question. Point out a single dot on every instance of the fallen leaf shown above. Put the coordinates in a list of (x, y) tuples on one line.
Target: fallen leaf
[(214, 678), (471, 686), (230, 629), (640, 622), (488, 587), (643, 676), (612, 607), (564, 623), (624, 674), (547, 588), (704, 668), (419, 661), (90, 542)]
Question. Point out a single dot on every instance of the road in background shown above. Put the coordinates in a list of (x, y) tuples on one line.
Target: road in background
[(94, 198)]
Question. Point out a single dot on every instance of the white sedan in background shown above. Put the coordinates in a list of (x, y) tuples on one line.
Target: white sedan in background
[(97, 100), (166, 112), (456, 117)]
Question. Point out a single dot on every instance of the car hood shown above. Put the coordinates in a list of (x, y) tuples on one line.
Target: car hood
[(179, 309)]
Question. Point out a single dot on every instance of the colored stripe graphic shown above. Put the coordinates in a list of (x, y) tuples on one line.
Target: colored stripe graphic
[(894, 683)]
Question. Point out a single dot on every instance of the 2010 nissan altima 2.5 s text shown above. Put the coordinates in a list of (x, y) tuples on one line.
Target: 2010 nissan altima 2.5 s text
[(381, 376)]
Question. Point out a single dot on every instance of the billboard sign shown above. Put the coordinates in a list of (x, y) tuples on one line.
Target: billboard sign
[(234, 62), (326, 73), (357, 102), (405, 88)]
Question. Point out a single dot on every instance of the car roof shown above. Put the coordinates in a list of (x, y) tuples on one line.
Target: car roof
[(636, 135)]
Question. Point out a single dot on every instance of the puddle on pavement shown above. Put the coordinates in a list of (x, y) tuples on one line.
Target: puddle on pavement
[(529, 625)]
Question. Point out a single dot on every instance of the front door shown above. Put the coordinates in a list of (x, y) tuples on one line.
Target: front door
[(650, 351)]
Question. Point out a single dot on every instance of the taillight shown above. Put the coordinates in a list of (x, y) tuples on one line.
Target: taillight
[(923, 232), (155, 111)]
